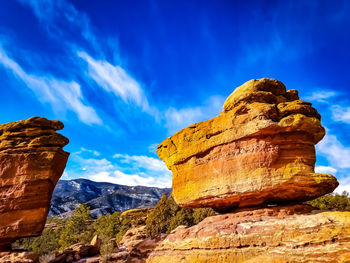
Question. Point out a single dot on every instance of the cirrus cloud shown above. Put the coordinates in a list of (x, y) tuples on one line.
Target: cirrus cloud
[(60, 94)]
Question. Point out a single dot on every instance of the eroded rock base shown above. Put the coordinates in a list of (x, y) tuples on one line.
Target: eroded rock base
[(294, 233)]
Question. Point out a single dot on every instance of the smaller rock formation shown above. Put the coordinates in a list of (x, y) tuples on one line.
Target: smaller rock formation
[(31, 162), (260, 149)]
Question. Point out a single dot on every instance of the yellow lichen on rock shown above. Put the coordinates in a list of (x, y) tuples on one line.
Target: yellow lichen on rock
[(259, 149)]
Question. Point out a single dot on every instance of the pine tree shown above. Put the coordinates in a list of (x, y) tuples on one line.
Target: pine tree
[(158, 220), (77, 229), (182, 217)]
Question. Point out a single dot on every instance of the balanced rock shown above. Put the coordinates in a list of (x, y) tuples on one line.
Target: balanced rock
[(31, 162), (259, 149), (286, 234)]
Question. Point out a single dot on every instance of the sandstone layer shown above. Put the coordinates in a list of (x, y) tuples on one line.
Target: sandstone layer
[(259, 149), (31, 162), (275, 234), (79, 252)]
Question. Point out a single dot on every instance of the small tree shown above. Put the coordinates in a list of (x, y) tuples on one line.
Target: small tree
[(78, 227), (158, 220), (107, 227), (182, 217), (125, 225)]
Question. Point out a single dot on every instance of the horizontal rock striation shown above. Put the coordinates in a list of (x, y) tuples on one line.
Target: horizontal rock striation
[(31, 162), (273, 234), (260, 149)]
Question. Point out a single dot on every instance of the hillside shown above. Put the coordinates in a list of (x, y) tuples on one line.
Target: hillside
[(103, 198)]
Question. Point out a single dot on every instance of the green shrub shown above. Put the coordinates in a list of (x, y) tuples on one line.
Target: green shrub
[(125, 225), (47, 242), (159, 218), (338, 202), (182, 217), (167, 215), (200, 213)]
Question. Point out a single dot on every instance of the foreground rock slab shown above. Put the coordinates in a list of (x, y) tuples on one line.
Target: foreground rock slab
[(19, 257), (31, 162), (273, 234), (260, 149)]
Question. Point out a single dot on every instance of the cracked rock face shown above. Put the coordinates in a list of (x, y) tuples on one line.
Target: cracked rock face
[(259, 149), (31, 162), (272, 234)]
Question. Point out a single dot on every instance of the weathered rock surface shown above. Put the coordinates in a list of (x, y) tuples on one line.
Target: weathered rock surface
[(31, 162), (272, 234), (79, 252), (19, 257), (135, 247), (260, 149)]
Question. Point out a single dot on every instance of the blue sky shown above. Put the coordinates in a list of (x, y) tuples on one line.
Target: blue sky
[(123, 75)]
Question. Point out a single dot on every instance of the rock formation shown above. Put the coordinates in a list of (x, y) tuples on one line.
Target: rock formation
[(259, 149), (273, 234), (31, 162), (79, 252)]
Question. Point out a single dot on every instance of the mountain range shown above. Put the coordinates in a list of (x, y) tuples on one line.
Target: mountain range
[(103, 198)]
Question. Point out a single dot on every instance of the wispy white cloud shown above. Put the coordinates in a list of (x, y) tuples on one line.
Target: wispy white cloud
[(54, 16), (96, 153), (153, 148), (177, 119), (143, 162), (340, 113), (61, 95), (113, 78), (321, 96), (325, 170), (336, 153), (118, 177), (344, 185), (63, 21)]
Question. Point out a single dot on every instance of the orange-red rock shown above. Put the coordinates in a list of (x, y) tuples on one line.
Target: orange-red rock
[(31, 162), (274, 234), (260, 149)]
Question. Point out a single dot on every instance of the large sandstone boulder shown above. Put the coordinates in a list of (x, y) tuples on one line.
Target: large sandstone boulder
[(260, 149), (273, 234), (31, 162)]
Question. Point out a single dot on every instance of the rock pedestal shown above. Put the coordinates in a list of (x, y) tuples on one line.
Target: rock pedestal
[(260, 149), (31, 162)]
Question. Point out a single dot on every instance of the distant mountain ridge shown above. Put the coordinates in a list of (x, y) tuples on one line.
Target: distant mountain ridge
[(103, 198)]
